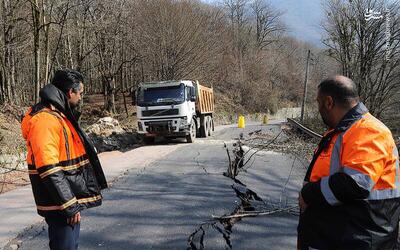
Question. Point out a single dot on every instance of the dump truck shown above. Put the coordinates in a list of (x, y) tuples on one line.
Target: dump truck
[(174, 109)]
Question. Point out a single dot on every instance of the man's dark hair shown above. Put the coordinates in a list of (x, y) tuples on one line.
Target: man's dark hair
[(66, 79), (342, 90)]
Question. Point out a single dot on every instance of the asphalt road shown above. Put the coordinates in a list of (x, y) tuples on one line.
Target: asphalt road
[(169, 204)]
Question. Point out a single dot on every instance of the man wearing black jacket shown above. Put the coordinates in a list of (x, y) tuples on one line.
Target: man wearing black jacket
[(65, 172), (351, 194)]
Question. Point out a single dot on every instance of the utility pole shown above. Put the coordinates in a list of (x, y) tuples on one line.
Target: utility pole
[(305, 87)]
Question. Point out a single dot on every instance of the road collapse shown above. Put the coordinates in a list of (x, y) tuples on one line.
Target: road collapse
[(224, 224), (251, 204)]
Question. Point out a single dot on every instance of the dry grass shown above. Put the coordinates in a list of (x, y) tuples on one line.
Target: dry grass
[(12, 180), (290, 143), (11, 144), (93, 110)]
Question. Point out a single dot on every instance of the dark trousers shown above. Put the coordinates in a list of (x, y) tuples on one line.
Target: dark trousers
[(62, 236)]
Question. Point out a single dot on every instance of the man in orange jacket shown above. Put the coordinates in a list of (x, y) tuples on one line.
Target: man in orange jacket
[(65, 172), (351, 195)]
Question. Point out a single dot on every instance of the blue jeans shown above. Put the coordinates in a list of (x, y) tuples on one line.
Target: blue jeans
[(62, 236)]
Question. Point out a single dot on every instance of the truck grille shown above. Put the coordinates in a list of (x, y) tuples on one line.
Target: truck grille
[(160, 112), (159, 126)]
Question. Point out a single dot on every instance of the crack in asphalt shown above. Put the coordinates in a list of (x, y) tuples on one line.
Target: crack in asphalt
[(249, 201), (34, 231), (224, 226), (198, 163)]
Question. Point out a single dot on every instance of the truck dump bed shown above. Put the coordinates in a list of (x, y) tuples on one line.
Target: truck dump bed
[(205, 99)]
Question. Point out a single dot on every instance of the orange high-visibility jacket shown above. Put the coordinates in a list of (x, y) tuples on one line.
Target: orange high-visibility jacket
[(353, 187), (64, 180)]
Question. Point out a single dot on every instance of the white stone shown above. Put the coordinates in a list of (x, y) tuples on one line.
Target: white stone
[(105, 126), (14, 247)]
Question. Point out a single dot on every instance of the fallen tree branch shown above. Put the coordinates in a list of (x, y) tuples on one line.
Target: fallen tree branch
[(254, 213), (15, 183), (12, 170), (260, 149)]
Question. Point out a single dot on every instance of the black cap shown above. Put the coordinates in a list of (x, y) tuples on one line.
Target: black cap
[(66, 79)]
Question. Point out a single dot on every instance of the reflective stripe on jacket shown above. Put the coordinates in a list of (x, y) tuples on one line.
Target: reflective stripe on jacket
[(353, 187), (62, 177)]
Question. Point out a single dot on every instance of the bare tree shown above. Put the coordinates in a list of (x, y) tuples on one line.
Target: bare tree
[(238, 47), (268, 25), (240, 29), (109, 46), (365, 50), (177, 37)]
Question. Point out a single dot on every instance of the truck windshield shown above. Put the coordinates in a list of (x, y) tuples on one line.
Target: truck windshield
[(162, 95)]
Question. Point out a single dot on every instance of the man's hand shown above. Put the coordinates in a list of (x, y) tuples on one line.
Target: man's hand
[(75, 219), (302, 204)]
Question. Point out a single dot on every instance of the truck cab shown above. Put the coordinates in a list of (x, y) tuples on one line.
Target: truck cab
[(168, 109)]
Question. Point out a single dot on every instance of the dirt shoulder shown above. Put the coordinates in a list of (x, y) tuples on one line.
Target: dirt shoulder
[(12, 149), (120, 136)]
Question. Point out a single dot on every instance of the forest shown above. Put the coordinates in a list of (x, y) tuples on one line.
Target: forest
[(242, 48)]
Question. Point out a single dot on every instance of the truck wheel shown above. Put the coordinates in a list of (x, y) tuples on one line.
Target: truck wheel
[(148, 140), (192, 132), (203, 127), (210, 125)]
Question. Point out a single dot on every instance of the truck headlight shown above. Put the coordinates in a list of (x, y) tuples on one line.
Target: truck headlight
[(183, 122), (140, 127)]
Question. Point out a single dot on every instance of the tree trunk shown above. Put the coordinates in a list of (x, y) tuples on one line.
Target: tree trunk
[(13, 88), (111, 95), (47, 54), (36, 47), (71, 61), (105, 93), (6, 53), (46, 31), (2, 92)]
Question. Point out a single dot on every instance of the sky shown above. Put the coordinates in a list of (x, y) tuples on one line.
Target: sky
[(302, 17)]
